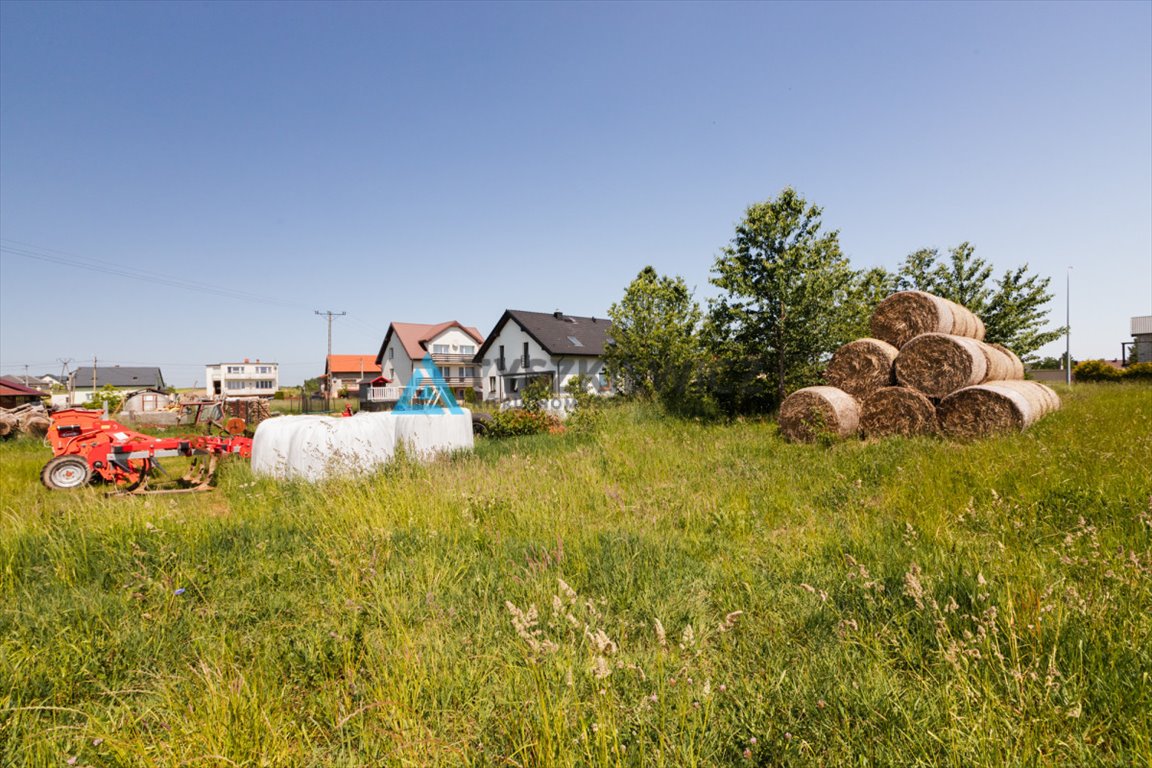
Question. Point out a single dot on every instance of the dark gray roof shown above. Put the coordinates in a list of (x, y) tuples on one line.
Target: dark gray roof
[(118, 376), (557, 333)]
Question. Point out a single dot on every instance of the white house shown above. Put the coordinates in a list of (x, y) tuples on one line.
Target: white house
[(245, 379), (85, 381), (452, 346), (525, 345)]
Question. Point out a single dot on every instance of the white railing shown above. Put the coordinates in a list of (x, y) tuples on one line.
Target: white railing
[(384, 394)]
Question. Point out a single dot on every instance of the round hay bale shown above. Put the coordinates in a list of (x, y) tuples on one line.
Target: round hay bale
[(938, 364), (862, 366), (995, 408), (1001, 364), (907, 314), (813, 411), (8, 424), (898, 411), (1017, 363)]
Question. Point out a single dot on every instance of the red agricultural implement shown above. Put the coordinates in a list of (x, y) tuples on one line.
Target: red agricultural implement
[(89, 446)]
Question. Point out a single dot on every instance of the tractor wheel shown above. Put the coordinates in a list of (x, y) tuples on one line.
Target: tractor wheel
[(481, 422), (64, 473)]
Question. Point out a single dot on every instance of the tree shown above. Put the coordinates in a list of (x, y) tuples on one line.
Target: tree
[(1012, 307), (654, 349), (786, 307)]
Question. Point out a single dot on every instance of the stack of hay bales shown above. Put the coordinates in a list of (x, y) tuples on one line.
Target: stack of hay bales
[(926, 371)]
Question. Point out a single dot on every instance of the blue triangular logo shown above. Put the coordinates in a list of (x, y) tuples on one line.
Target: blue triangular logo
[(427, 392)]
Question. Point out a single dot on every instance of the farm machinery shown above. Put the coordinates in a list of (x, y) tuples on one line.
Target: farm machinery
[(89, 446)]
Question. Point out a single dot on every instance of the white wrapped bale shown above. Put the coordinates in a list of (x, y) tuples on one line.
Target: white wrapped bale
[(317, 447)]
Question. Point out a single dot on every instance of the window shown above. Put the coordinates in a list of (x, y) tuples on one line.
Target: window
[(467, 349), (575, 341), (525, 362), (500, 360), (391, 353), (234, 384), (440, 349), (235, 369), (263, 369), (492, 384), (264, 384), (467, 370)]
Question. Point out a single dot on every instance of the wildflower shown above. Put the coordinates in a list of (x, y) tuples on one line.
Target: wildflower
[(747, 754), (821, 703), (787, 736), (687, 637), (753, 741), (179, 591), (722, 688), (661, 637), (912, 586)]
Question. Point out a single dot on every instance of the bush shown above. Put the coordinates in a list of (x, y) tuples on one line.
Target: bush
[(515, 422), (1095, 370), (278, 395), (535, 392), (1138, 372)]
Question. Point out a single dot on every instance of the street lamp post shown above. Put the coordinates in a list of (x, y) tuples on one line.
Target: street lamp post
[(1068, 327)]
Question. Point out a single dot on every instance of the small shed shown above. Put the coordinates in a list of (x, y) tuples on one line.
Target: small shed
[(149, 400), (13, 394)]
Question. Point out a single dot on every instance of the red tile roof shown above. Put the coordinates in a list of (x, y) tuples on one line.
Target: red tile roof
[(9, 388), (351, 364), (414, 337)]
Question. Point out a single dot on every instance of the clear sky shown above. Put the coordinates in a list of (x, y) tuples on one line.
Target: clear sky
[(186, 183)]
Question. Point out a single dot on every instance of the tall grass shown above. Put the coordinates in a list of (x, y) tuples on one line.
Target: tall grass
[(660, 592)]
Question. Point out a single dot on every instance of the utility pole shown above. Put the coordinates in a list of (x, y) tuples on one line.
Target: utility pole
[(1068, 328), (330, 314)]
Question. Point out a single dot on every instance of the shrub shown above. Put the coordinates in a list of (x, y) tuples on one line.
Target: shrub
[(515, 422), (1095, 370), (535, 392), (1138, 372), (278, 395)]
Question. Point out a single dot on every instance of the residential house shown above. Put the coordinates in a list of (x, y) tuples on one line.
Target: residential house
[(526, 345), (452, 347), (86, 380), (42, 384), (243, 379), (348, 372), (1142, 338), (14, 394)]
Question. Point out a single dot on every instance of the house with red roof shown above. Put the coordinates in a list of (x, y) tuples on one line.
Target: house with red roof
[(348, 372), (451, 345)]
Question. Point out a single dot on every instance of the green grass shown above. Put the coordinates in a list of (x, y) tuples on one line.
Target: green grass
[(659, 593)]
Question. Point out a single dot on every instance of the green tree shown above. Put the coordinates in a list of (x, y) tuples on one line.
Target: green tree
[(1013, 307), (788, 303), (654, 349)]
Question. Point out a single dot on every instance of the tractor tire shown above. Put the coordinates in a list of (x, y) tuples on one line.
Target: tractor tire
[(65, 473), (481, 422)]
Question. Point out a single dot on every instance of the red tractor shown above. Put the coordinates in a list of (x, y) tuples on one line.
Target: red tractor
[(89, 446)]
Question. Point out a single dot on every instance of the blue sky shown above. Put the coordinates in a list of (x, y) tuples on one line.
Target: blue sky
[(229, 168)]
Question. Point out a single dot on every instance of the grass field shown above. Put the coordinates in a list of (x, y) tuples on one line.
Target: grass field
[(658, 593)]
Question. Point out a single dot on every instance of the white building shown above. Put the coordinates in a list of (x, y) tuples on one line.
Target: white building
[(246, 379), (451, 345), (527, 345)]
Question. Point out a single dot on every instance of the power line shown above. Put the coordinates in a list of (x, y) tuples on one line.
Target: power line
[(38, 253), (330, 315)]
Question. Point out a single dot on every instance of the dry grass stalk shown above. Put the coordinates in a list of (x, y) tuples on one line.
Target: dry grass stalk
[(862, 367), (907, 314), (938, 364), (898, 411), (996, 407), (808, 413)]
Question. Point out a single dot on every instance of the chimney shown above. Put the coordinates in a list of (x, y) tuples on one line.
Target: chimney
[(245, 359)]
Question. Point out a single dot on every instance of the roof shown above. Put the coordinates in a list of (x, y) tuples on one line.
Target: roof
[(9, 388), (557, 333), (1141, 325), (35, 382), (118, 376), (414, 337), (351, 364)]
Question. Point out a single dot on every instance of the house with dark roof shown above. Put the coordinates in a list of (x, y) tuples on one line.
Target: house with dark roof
[(14, 394), (86, 380), (526, 345), (451, 345)]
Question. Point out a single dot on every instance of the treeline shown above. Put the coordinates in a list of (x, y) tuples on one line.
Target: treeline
[(789, 299)]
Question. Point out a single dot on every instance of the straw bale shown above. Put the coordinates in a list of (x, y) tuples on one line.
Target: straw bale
[(897, 411), (1017, 364), (807, 413), (995, 407), (907, 314), (938, 364), (1000, 362), (862, 366)]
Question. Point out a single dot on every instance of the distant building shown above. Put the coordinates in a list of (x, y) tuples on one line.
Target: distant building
[(39, 383), (451, 345), (348, 372), (243, 379), (123, 379), (1142, 338), (528, 345)]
